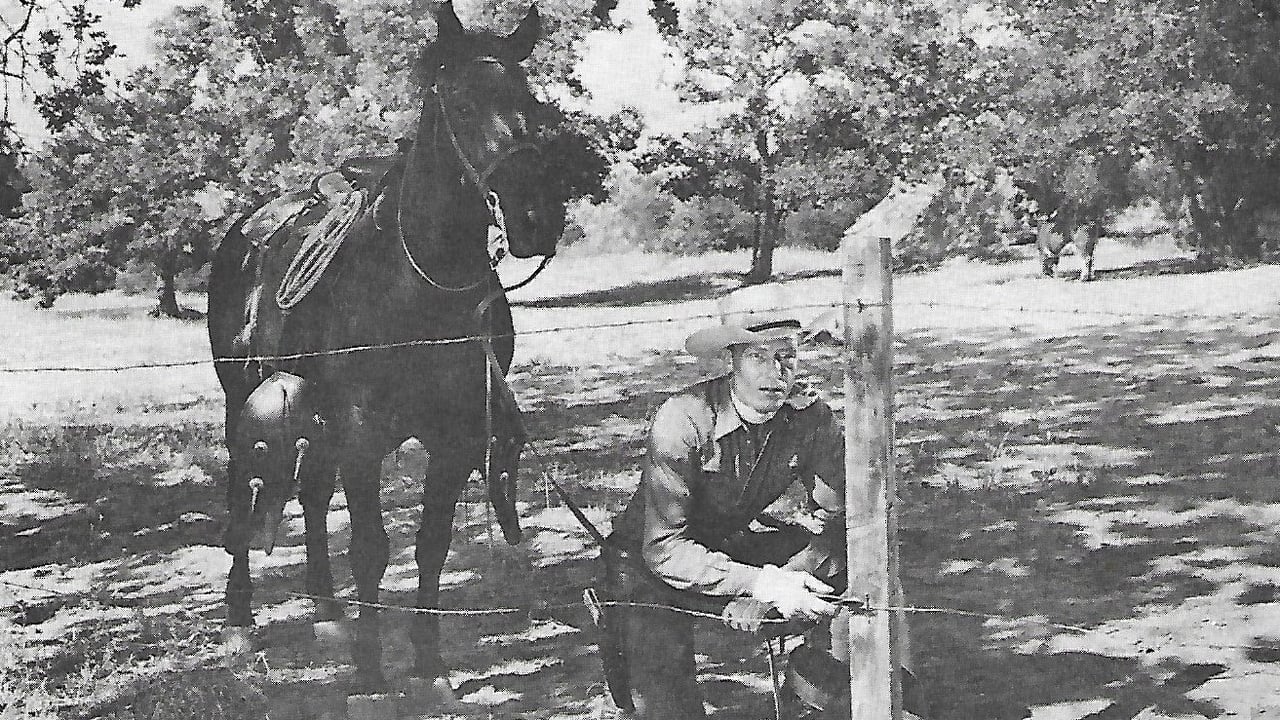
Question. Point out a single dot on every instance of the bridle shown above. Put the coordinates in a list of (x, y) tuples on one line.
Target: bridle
[(497, 246)]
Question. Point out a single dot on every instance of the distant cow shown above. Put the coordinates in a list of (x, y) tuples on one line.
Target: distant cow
[(1051, 242), (1075, 202)]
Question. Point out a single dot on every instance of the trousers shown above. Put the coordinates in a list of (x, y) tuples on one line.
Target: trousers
[(659, 646)]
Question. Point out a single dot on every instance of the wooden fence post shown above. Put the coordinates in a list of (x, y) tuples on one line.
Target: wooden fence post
[(870, 492)]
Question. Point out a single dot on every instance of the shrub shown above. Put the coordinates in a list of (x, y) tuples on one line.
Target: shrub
[(971, 217), (704, 224), (820, 227), (632, 218)]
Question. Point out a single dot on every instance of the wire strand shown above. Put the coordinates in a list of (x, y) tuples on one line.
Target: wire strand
[(351, 349), (855, 303)]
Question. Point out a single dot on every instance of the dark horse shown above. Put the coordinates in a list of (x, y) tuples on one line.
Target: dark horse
[(414, 265)]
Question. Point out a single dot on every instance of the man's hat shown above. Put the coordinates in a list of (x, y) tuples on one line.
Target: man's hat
[(753, 314)]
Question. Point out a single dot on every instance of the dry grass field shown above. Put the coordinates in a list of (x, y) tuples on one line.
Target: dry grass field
[(1102, 456)]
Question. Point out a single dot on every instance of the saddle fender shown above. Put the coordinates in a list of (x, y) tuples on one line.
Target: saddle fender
[(275, 430)]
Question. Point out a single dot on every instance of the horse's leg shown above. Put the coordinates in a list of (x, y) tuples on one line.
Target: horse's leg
[(446, 476), (361, 477), (314, 493), (236, 538)]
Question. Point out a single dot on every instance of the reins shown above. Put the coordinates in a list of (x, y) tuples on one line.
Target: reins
[(498, 247)]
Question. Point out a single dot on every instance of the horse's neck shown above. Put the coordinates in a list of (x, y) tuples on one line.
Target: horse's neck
[(436, 214)]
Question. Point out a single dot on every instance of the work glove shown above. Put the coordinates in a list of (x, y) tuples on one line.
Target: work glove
[(745, 613), (793, 593)]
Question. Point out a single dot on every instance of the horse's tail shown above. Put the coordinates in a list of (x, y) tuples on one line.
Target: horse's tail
[(231, 277)]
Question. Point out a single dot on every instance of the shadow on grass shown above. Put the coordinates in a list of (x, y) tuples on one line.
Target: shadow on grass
[(128, 489), (1092, 480), (1106, 479), (692, 287)]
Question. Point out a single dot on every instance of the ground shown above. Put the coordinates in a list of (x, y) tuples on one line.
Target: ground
[(1087, 470)]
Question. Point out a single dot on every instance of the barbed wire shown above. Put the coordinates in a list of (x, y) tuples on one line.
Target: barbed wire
[(1077, 311), (99, 596), (424, 342), (532, 610), (618, 324)]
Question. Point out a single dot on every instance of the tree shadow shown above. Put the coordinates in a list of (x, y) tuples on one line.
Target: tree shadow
[(703, 286), (1091, 479), (1119, 480), (92, 492)]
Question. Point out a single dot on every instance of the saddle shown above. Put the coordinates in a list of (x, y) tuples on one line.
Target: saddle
[(294, 238)]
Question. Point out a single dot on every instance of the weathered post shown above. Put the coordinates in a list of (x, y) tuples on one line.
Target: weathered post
[(870, 492)]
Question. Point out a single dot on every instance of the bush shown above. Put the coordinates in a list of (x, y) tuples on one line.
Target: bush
[(704, 224), (971, 217), (632, 218), (821, 228)]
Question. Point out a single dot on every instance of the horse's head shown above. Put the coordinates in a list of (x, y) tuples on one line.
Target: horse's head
[(478, 109)]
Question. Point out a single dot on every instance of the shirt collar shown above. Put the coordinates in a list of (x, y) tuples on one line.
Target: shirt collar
[(726, 415)]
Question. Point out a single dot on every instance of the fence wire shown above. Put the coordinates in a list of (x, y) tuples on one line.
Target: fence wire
[(534, 612), (856, 305)]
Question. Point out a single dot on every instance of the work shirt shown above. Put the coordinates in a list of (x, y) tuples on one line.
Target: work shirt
[(707, 475)]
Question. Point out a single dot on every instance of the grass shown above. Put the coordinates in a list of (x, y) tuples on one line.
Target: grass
[(1085, 456)]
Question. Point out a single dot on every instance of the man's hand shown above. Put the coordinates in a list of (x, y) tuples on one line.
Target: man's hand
[(792, 592), (746, 613), (816, 522)]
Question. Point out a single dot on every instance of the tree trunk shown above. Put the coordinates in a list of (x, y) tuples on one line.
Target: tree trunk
[(766, 239), (167, 304), (766, 208), (756, 232)]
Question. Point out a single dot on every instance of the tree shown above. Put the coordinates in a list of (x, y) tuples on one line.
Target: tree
[(1175, 94), (56, 51), (236, 107), (822, 102)]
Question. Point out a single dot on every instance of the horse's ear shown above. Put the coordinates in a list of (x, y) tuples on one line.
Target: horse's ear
[(448, 27), (521, 41)]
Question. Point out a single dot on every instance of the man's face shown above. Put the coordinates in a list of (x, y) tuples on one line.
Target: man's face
[(764, 373)]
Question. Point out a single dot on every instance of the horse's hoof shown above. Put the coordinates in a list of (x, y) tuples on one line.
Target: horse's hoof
[(436, 695), (237, 644), (372, 707)]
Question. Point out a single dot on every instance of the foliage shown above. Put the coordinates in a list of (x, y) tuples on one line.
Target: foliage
[(704, 224), (820, 225), (59, 51), (238, 106), (821, 101), (633, 216), (972, 217), (1090, 97)]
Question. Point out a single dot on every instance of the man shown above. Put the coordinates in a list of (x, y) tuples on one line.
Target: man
[(739, 510)]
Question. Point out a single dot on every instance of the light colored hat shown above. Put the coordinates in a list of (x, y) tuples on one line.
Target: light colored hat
[(753, 314)]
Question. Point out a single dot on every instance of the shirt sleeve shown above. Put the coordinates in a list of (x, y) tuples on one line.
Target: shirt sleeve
[(668, 548), (825, 460)]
